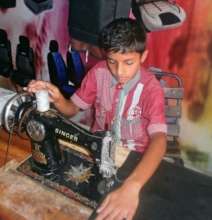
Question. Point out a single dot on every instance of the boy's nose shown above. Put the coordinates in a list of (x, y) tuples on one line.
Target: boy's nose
[(119, 70)]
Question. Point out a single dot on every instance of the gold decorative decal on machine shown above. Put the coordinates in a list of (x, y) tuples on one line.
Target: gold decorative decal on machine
[(75, 147), (79, 174), (38, 155), (66, 134)]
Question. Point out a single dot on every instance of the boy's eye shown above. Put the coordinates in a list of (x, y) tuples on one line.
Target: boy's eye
[(129, 62), (111, 61)]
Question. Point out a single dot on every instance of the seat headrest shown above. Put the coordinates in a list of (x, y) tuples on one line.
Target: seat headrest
[(3, 36), (24, 41), (53, 46)]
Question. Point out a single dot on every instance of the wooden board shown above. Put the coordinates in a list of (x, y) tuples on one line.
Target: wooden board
[(19, 148), (22, 198)]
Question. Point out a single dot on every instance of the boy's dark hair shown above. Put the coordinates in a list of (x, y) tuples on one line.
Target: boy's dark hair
[(123, 35)]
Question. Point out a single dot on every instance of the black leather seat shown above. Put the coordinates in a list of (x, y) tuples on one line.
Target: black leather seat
[(6, 66), (58, 70), (87, 18), (8, 4), (25, 69), (37, 6)]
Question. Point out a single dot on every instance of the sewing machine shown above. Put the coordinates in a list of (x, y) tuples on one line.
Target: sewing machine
[(81, 165), (65, 156)]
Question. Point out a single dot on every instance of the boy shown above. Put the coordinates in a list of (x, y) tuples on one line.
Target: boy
[(128, 101)]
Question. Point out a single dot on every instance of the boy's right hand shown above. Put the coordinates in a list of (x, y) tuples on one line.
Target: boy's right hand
[(54, 93)]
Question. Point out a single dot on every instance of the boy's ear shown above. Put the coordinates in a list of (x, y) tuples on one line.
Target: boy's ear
[(144, 55)]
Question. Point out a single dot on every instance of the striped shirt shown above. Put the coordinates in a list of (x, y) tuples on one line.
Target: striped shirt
[(133, 111)]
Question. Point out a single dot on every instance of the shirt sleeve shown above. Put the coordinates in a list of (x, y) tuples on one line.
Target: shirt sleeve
[(85, 96), (156, 109)]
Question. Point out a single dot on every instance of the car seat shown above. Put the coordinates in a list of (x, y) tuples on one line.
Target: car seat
[(58, 70), (25, 69), (6, 66)]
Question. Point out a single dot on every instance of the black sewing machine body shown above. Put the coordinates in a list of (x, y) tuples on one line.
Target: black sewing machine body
[(75, 168), (45, 130), (65, 156)]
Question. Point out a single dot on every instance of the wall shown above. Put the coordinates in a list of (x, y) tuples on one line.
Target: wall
[(185, 50), (48, 25)]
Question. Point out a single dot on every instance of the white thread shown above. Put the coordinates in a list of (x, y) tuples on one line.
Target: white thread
[(42, 98)]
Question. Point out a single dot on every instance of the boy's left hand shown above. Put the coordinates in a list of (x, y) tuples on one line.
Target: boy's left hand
[(120, 204)]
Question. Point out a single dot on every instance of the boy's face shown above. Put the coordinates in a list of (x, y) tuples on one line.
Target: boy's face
[(124, 66)]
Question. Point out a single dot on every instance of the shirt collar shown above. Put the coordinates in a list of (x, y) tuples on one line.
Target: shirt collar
[(130, 84)]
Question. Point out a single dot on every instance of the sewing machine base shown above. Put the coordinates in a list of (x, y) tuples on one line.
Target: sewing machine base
[(83, 188), (174, 192)]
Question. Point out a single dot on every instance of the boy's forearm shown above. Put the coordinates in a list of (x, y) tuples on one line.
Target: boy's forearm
[(149, 162), (66, 107)]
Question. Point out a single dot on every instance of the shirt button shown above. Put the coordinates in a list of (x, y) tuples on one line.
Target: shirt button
[(119, 86)]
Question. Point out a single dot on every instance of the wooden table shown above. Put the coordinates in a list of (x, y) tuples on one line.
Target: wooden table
[(22, 198)]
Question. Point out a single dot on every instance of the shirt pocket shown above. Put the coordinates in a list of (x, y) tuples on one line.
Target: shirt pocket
[(132, 129), (100, 115)]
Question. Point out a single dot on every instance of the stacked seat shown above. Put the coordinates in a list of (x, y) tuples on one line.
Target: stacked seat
[(25, 69), (173, 93), (58, 70), (6, 66)]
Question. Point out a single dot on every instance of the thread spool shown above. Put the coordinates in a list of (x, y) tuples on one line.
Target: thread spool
[(42, 98)]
